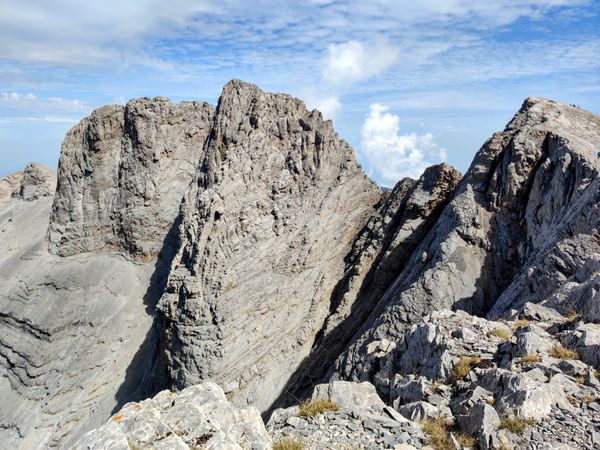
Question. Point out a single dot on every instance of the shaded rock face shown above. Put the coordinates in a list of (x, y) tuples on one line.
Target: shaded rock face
[(122, 173), (521, 224), (378, 256), (263, 233)]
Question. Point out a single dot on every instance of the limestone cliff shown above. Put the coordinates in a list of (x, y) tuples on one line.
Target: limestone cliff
[(122, 173), (263, 233)]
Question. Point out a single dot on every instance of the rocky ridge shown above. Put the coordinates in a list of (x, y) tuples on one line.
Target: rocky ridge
[(521, 227), (243, 244)]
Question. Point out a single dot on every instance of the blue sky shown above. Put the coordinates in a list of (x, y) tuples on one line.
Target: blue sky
[(407, 83)]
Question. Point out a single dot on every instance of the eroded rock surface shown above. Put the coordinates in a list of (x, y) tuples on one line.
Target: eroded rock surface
[(263, 233), (32, 183), (521, 225), (122, 173), (279, 265)]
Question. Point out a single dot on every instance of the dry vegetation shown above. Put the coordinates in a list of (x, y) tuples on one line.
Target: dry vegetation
[(288, 444), (514, 424), (519, 323), (527, 359), (464, 366), (316, 407), (500, 333), (572, 316), (438, 434), (588, 398), (560, 352)]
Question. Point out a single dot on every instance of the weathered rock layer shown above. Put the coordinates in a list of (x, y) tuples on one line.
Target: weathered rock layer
[(521, 226), (263, 233)]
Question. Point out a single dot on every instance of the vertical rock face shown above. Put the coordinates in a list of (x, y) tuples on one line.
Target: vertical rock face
[(76, 332), (378, 256), (263, 234), (522, 222), (122, 173)]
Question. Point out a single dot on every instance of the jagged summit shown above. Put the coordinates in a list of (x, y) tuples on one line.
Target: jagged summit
[(242, 243), (35, 181)]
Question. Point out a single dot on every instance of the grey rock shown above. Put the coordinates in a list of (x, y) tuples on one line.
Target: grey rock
[(482, 421), (409, 390), (122, 174), (199, 416), (535, 311), (32, 183), (518, 227), (585, 338), (263, 232), (349, 394), (418, 411)]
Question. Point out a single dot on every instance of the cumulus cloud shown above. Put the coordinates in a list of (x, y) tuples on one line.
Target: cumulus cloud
[(391, 156), (354, 61), (329, 106)]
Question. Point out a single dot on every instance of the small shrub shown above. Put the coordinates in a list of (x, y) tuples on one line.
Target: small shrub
[(519, 323), (514, 424), (288, 444), (465, 440), (499, 333), (464, 366), (572, 316), (560, 352), (437, 433), (316, 407), (436, 387), (588, 398), (527, 359)]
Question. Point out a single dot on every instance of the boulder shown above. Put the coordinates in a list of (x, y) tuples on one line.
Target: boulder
[(199, 416), (349, 394), (482, 421)]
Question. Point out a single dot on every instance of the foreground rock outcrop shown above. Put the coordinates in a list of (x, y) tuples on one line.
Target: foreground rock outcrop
[(243, 244), (197, 417)]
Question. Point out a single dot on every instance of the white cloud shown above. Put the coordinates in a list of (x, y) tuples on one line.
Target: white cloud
[(30, 101), (392, 156), (353, 61), (329, 106)]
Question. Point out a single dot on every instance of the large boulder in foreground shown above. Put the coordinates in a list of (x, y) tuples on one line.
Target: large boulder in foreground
[(198, 417)]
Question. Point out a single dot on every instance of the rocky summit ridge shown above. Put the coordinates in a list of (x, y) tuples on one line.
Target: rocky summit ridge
[(189, 267)]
